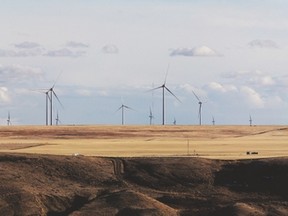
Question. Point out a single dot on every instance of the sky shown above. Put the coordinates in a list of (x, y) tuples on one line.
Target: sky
[(100, 54)]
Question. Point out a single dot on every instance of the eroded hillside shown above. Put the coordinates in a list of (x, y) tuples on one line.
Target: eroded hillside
[(70, 185)]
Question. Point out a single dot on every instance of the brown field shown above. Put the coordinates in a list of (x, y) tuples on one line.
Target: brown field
[(141, 170), (218, 142)]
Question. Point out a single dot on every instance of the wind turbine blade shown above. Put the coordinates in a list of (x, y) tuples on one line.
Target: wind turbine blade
[(127, 107), (39, 90), (119, 108), (48, 96), (58, 76), (196, 96), (167, 73), (44, 91), (173, 94), (156, 88), (57, 99), (56, 80)]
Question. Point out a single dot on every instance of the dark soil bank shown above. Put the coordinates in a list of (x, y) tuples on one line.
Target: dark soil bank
[(70, 185)]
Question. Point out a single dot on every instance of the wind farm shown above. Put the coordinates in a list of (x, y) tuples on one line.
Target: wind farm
[(149, 163), (209, 137), (130, 161)]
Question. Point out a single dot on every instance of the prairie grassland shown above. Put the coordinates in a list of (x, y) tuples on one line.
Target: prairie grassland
[(218, 142)]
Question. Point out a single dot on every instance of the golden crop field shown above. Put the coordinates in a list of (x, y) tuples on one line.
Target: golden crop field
[(218, 142)]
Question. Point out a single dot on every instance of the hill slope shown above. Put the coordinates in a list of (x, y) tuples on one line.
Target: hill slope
[(69, 185)]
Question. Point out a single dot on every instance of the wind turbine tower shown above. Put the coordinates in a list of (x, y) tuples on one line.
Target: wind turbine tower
[(9, 120), (213, 120), (250, 120), (57, 120), (200, 108), (47, 105), (151, 116)]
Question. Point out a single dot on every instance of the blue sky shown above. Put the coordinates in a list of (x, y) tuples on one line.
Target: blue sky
[(232, 54)]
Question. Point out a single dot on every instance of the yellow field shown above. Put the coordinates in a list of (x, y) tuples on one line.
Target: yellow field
[(219, 142)]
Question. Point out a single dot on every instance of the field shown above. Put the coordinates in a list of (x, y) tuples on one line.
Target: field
[(218, 142), (144, 170)]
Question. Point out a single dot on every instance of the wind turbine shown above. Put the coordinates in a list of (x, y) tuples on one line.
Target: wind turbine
[(174, 122), (9, 120), (49, 99), (200, 108), (164, 87), (151, 116), (57, 120), (52, 93), (122, 108), (250, 120), (213, 120)]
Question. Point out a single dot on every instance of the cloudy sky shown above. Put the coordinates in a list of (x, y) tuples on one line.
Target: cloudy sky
[(99, 54)]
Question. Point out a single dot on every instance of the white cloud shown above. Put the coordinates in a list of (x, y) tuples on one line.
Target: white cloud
[(102, 93), (190, 89), (7, 53), (74, 44), (274, 101), (240, 95), (21, 53), (214, 86), (24, 49), (263, 81), (4, 96), (252, 98), (19, 73), (254, 77), (233, 74), (83, 92), (30, 49), (196, 51), (263, 44), (65, 52), (110, 49), (27, 45)]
